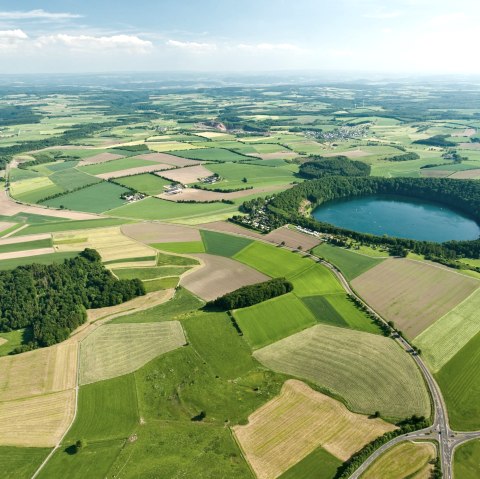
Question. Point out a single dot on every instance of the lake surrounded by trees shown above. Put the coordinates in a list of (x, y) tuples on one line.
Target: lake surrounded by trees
[(399, 216)]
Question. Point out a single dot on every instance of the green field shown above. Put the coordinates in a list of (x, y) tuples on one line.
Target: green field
[(182, 303), (459, 381), (34, 190), (339, 310), (447, 336), (182, 247), (145, 183), (272, 261), (106, 410), (150, 272), (27, 245), (40, 259), (20, 462), (367, 372), (214, 338), (157, 209), (181, 449), (351, 264), (115, 165), (319, 464), (223, 244), (317, 279), (210, 154), (160, 283), (274, 319), (72, 178), (93, 199), (467, 460), (170, 259), (94, 461), (14, 339), (70, 225)]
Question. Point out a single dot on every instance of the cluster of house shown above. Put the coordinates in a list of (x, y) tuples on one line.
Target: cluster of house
[(173, 189), (210, 180), (131, 197), (309, 232)]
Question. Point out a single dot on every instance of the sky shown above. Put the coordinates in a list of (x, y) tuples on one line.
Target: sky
[(392, 36)]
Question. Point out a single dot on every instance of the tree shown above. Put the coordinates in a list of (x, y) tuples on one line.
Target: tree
[(80, 444), (244, 180)]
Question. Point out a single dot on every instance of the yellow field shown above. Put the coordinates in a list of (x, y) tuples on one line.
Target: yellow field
[(289, 427), (39, 421), (38, 372), (408, 459), (172, 146), (116, 349), (30, 185), (109, 242)]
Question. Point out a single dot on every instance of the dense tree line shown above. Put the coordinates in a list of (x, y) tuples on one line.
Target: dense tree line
[(405, 157), (463, 195), (319, 167), (18, 115), (252, 294), (52, 299)]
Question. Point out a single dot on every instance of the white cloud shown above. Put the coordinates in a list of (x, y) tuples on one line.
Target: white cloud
[(382, 15), (128, 43), (192, 46), (269, 47), (36, 14), (12, 38)]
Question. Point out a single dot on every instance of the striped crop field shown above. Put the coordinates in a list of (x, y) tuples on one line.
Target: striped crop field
[(116, 349), (368, 371), (289, 427)]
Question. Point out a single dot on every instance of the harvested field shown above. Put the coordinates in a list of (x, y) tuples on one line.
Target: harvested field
[(39, 421), (4, 225), (38, 372), (26, 254), (228, 227), (467, 132), (430, 173), (292, 238), (25, 239), (116, 349), (134, 305), (168, 159), (278, 155), (291, 426), (370, 372), (413, 294), (219, 276), (407, 459), (444, 338), (186, 175), (349, 154), (109, 242), (160, 233), (100, 158), (133, 171), (466, 174), (470, 146)]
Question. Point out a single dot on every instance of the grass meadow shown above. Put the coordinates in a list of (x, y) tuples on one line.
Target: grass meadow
[(21, 462), (466, 460), (319, 464), (223, 244)]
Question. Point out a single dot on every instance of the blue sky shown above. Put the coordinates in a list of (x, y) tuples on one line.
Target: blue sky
[(391, 36)]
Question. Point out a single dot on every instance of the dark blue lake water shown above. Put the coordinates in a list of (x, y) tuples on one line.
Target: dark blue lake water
[(398, 216)]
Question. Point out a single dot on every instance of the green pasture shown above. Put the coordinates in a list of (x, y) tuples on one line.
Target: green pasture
[(210, 154), (28, 245), (277, 318), (72, 179), (160, 283), (316, 279), (21, 462), (115, 165), (146, 183), (180, 305), (181, 247), (40, 259), (319, 464), (149, 272), (93, 199), (171, 259), (106, 410), (459, 381), (350, 263), (223, 244), (467, 460), (14, 339)]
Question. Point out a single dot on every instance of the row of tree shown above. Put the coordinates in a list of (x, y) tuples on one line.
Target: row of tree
[(252, 294), (52, 299)]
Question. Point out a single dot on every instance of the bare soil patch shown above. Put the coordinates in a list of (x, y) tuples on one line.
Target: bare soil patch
[(292, 238), (150, 233), (218, 276), (470, 146), (168, 159), (100, 158), (26, 254), (466, 174), (4, 225), (413, 294), (25, 239), (134, 171), (467, 132), (187, 175), (292, 425)]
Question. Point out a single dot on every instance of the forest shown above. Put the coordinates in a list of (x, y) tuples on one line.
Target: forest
[(319, 167), (51, 300)]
